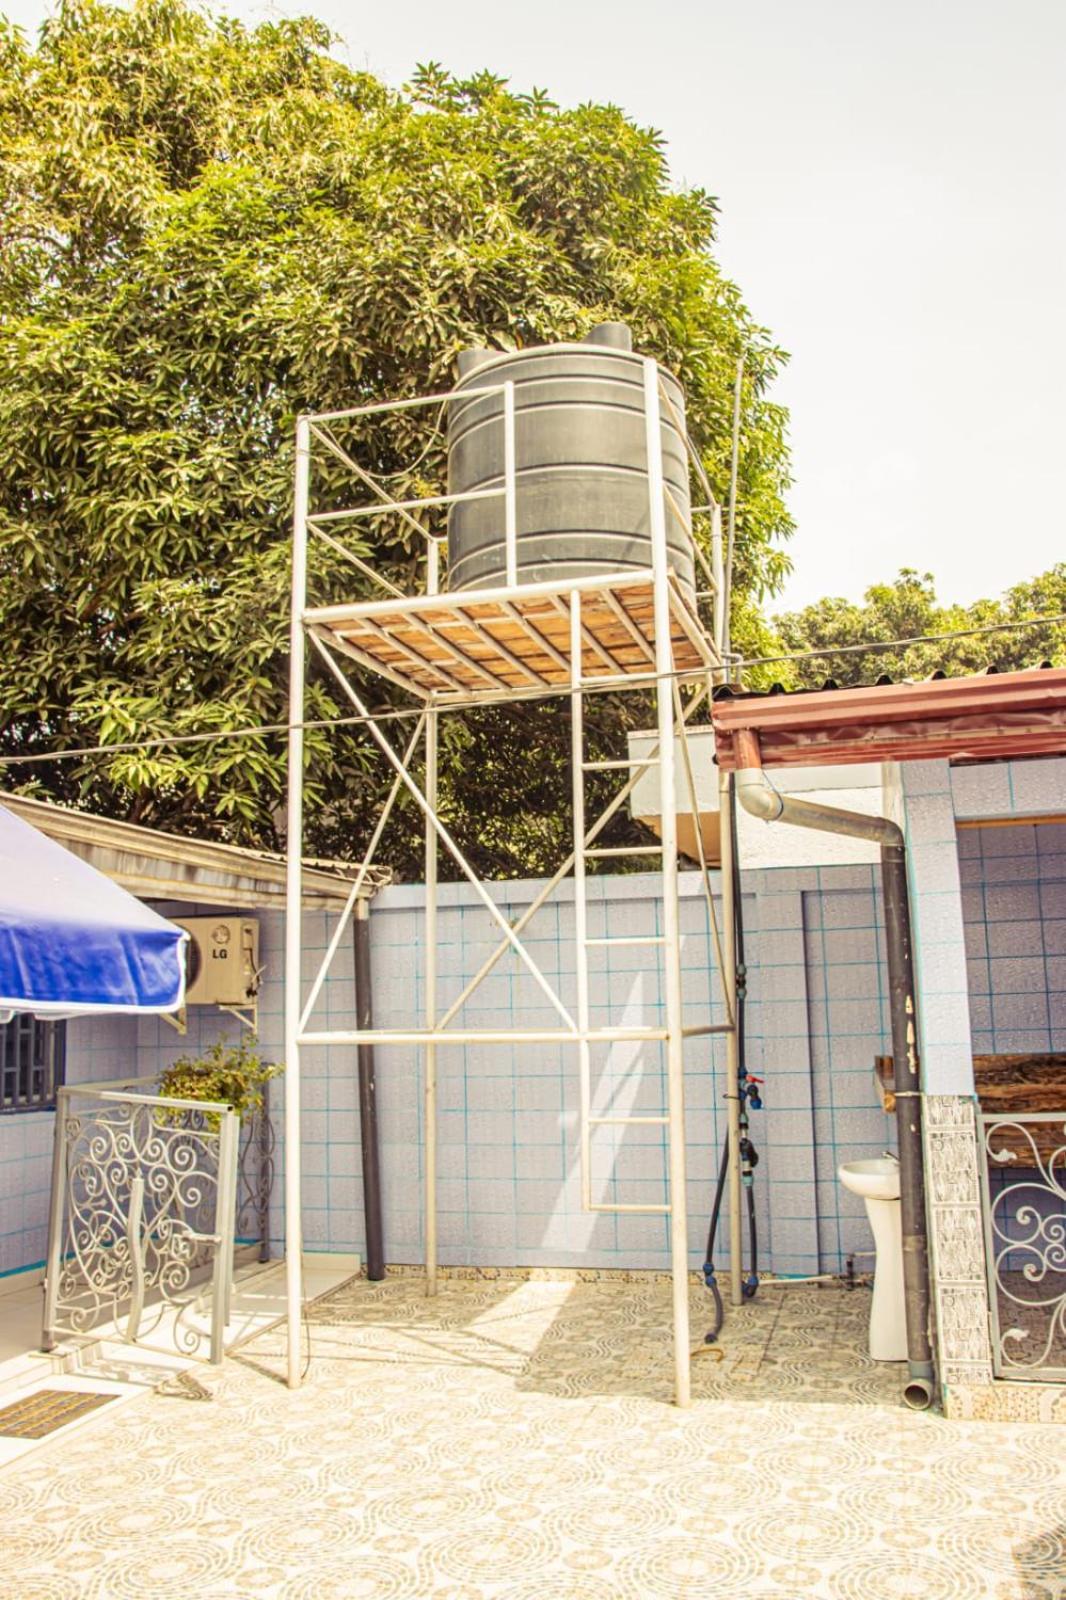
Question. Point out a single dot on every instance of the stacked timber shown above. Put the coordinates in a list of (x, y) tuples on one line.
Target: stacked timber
[(1013, 1087)]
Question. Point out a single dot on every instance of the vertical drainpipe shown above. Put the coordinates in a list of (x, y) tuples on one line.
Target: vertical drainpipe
[(368, 1099), (758, 796), (903, 1012)]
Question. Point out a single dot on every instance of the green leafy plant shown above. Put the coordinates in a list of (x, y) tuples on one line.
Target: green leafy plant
[(908, 608), (226, 1073), (208, 228)]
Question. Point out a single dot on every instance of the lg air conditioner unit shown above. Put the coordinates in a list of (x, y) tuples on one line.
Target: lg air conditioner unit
[(223, 960)]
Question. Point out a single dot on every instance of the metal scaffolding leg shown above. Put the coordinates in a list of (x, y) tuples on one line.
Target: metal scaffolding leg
[(577, 762), (294, 911), (429, 1111), (675, 1066)]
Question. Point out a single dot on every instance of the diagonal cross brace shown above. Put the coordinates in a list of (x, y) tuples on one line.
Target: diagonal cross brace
[(444, 836), (359, 879)]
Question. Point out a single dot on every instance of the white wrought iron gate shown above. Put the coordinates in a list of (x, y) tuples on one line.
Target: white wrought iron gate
[(142, 1218)]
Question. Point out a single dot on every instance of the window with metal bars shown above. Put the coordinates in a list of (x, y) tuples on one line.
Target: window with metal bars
[(32, 1061)]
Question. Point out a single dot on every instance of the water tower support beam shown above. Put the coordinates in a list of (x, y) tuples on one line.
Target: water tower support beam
[(675, 1064)]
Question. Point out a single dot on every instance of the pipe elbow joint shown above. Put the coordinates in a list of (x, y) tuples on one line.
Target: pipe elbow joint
[(757, 796)]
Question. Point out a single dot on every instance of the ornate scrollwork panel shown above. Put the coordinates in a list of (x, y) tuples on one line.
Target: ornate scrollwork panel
[(140, 1230), (1025, 1223)]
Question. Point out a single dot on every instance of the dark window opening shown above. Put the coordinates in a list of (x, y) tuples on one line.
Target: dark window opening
[(32, 1063)]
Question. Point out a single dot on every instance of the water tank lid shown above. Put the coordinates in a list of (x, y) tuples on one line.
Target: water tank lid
[(613, 335)]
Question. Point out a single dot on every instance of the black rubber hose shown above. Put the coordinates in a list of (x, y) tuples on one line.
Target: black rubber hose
[(708, 1260), (752, 1281)]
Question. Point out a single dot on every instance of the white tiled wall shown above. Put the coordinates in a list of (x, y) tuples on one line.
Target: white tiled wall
[(1014, 909), (509, 1180)]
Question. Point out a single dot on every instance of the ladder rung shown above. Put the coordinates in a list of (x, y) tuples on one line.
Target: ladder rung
[(659, 1211), (603, 851), (636, 938), (630, 1122), (619, 766)]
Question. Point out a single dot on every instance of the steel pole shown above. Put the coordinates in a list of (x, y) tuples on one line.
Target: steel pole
[(581, 956), (675, 1064), (368, 1095), (903, 1012), (55, 1221), (293, 908), (734, 469), (429, 1116)]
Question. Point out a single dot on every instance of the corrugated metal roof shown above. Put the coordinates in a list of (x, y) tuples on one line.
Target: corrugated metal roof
[(979, 717), (165, 866)]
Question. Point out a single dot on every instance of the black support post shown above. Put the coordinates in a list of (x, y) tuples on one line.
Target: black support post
[(368, 1104), (919, 1388)]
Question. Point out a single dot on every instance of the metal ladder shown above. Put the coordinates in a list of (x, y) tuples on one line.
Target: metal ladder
[(583, 853)]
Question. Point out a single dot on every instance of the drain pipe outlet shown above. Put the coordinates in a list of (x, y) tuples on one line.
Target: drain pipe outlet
[(758, 797)]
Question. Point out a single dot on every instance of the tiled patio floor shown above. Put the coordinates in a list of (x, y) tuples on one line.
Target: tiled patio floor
[(512, 1440)]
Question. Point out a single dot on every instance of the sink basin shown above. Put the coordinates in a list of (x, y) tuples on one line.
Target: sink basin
[(878, 1184), (873, 1180)]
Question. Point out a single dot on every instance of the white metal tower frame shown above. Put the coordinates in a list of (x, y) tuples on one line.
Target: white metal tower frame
[(463, 649)]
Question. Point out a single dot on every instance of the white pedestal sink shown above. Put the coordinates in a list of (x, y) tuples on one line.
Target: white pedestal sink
[(878, 1183)]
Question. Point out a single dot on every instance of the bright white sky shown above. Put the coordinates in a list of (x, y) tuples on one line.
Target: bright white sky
[(891, 177)]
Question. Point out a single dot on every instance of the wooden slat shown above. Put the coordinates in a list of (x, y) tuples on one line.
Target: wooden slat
[(1008, 1086), (472, 645)]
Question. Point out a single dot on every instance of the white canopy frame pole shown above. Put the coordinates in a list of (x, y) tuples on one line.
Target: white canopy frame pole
[(294, 909), (429, 1110), (577, 764), (675, 1064)]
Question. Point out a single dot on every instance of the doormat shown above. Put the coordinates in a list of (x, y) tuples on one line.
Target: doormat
[(42, 1413)]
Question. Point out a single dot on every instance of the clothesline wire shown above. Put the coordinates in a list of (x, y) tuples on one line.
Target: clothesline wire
[(168, 741)]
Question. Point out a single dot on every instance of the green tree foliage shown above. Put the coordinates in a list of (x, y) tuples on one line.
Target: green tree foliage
[(909, 609), (208, 229)]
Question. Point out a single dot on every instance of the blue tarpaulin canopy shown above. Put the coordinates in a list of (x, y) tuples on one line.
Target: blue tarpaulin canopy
[(71, 941)]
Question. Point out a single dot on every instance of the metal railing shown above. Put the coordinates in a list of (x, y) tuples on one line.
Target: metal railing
[(150, 1195), (1024, 1203), (320, 428)]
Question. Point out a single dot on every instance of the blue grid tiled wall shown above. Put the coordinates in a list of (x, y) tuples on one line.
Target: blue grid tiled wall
[(509, 1176), (509, 1179), (849, 1024), (1014, 911)]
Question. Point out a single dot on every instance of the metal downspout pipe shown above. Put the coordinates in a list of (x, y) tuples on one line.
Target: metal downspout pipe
[(368, 1095), (758, 797)]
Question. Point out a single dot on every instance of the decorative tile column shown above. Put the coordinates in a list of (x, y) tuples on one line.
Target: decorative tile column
[(960, 1293)]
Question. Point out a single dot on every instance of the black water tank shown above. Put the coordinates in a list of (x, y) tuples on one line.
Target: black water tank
[(581, 464)]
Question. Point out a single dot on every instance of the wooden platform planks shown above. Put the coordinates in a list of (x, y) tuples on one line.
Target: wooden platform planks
[(462, 644)]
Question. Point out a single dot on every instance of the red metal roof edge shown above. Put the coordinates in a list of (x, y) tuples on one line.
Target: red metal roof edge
[(990, 716)]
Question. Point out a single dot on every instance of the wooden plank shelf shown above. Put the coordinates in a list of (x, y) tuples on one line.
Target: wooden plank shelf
[(480, 643), (1009, 1086)]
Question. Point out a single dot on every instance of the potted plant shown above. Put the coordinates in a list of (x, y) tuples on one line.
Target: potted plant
[(228, 1074)]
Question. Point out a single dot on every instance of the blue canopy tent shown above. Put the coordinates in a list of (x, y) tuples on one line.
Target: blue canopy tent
[(74, 943)]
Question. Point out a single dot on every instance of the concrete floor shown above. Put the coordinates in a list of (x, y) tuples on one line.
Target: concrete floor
[(514, 1441)]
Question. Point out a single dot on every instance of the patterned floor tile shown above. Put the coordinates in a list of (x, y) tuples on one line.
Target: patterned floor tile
[(514, 1440)]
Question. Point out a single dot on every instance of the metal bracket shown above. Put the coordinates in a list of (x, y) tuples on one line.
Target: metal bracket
[(247, 1016)]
